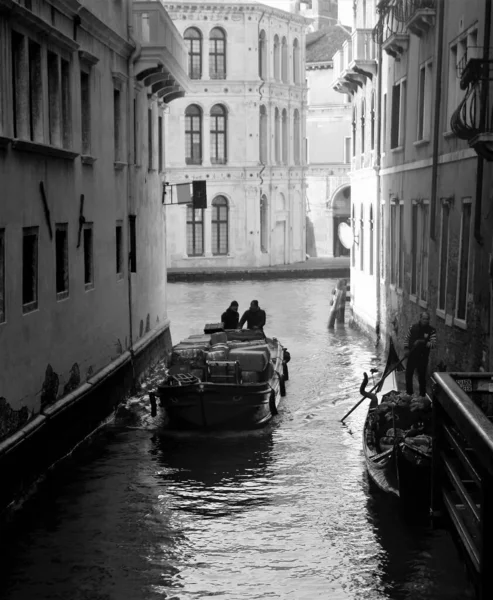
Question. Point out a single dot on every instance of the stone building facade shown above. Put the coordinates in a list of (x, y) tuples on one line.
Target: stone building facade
[(427, 242), (81, 219), (242, 130)]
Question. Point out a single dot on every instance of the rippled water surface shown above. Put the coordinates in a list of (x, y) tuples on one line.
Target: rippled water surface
[(283, 512)]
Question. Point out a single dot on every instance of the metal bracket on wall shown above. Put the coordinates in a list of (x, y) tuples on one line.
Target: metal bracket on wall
[(45, 208), (82, 219)]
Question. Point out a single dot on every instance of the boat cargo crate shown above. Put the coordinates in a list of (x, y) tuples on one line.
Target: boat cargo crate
[(197, 340), (250, 360), (247, 344), (193, 356), (242, 335), (213, 327), (214, 355), (223, 371), (250, 376), (219, 337)]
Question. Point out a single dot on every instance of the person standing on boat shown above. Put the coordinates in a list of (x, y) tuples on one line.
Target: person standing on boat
[(420, 339), (230, 316), (254, 317)]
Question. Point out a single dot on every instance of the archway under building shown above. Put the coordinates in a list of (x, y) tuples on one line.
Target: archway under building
[(338, 211)]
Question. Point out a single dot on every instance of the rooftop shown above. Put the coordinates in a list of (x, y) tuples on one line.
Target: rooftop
[(321, 45)]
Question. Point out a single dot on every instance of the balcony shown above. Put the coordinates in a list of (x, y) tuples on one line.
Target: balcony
[(364, 55), (473, 119), (420, 15), (345, 80), (162, 63), (390, 32)]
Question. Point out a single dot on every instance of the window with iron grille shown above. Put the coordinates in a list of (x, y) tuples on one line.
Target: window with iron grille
[(88, 257), (193, 135), (2, 275), (29, 269), (444, 256), (61, 260), (463, 267), (217, 54), (193, 40), (419, 250), (195, 231), (220, 226), (85, 111), (218, 135)]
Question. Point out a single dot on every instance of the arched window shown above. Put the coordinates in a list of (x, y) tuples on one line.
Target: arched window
[(262, 56), (219, 154), (264, 221), (195, 231), (353, 224), (193, 40), (193, 135), (297, 137), (284, 60), (363, 110), (217, 54), (277, 136), (263, 135), (285, 137), (372, 117), (354, 130), (296, 61), (362, 239), (277, 58), (220, 226), (371, 239)]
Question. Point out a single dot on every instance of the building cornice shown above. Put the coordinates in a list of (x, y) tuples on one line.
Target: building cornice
[(107, 36), (326, 64), (233, 10)]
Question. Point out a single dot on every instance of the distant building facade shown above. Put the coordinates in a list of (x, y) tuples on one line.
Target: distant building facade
[(328, 132), (242, 130), (82, 247), (421, 173)]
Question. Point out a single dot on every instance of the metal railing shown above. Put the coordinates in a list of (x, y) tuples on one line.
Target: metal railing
[(462, 481)]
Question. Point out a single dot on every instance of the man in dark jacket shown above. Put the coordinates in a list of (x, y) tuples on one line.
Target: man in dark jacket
[(254, 317), (230, 316), (420, 339)]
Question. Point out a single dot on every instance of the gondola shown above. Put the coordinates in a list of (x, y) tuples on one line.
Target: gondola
[(397, 441), (223, 379)]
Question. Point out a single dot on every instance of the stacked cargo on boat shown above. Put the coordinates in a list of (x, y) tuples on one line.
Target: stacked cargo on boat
[(229, 356)]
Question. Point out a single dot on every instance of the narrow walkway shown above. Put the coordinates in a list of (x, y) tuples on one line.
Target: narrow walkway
[(308, 269)]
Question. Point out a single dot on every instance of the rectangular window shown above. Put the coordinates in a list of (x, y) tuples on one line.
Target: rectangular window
[(54, 117), (119, 250), (19, 87), (347, 149), (65, 103), (136, 134), (384, 122), (29, 269), (400, 273), (117, 122), (419, 257), (444, 253), (85, 112), (395, 116), (150, 140), (463, 267), (88, 257), (414, 249), (424, 102), (382, 241), (61, 260), (394, 237), (2, 275), (160, 142), (132, 231), (195, 232), (35, 93), (425, 243)]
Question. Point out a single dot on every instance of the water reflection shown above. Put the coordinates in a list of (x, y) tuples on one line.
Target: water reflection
[(216, 475)]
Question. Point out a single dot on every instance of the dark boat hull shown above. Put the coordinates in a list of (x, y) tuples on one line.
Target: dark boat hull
[(219, 406)]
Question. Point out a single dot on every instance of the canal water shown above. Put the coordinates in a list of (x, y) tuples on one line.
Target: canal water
[(285, 512)]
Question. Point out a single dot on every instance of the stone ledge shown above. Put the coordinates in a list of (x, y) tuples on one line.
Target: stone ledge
[(47, 150)]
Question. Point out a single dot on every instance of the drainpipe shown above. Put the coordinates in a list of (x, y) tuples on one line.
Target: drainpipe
[(378, 211), (130, 146), (436, 119), (483, 121)]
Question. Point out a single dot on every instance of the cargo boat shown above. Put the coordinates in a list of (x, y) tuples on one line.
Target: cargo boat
[(223, 379)]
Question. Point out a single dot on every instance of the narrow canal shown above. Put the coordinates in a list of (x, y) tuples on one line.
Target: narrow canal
[(284, 512)]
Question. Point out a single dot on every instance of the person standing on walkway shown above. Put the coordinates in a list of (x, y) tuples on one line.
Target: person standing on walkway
[(230, 316), (420, 339), (254, 317)]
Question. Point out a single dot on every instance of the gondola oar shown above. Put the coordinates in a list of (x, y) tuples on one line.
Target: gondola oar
[(385, 375)]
